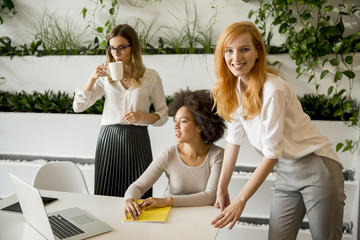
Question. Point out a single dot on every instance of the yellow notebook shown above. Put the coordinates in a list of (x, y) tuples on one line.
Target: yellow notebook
[(153, 215)]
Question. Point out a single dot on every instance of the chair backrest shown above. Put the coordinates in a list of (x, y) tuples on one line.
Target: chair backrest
[(62, 176)]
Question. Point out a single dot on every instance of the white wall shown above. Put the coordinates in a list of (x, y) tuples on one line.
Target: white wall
[(66, 73)]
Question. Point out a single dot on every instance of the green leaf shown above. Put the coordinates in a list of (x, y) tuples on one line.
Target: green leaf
[(337, 47), (298, 69), (99, 29), (283, 28), (306, 15), (277, 20), (9, 4), (339, 146), (339, 94), (103, 44), (346, 106), (330, 90), (349, 74), (338, 76), (331, 31), (323, 74), (349, 59), (251, 13), (84, 11), (340, 26), (357, 47), (325, 61), (310, 39), (292, 20), (347, 148), (335, 62), (328, 8), (311, 77), (312, 64)]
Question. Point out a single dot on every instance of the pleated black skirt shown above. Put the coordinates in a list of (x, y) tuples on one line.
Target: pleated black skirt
[(123, 153)]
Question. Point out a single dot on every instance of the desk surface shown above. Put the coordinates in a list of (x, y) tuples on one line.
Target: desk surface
[(182, 223)]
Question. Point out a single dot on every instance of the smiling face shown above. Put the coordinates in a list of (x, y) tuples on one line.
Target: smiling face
[(117, 42), (240, 55), (186, 129)]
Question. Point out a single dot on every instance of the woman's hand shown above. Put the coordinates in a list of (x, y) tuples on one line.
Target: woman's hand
[(156, 202), (222, 200), (230, 214), (135, 117), (100, 71), (132, 117), (132, 208)]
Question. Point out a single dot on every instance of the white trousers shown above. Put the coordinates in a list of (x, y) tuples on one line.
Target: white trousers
[(312, 185)]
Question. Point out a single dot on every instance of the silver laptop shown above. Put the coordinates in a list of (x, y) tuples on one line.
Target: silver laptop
[(72, 223)]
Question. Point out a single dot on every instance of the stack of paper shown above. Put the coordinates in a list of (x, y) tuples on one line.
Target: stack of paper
[(153, 215)]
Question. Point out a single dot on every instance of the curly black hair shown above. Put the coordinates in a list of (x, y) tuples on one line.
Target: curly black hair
[(200, 104)]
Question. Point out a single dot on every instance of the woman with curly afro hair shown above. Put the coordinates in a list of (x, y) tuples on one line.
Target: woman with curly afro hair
[(193, 165)]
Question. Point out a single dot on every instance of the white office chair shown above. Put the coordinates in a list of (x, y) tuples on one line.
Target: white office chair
[(62, 176)]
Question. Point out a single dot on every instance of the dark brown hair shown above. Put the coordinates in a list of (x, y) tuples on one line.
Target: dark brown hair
[(200, 104)]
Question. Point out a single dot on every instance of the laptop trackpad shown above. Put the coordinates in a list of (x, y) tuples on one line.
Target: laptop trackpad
[(82, 219)]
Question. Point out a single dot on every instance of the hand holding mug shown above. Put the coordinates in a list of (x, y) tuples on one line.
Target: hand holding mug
[(116, 70), (100, 71)]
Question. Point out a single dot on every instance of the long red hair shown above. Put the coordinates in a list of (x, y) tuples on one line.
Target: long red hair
[(224, 91)]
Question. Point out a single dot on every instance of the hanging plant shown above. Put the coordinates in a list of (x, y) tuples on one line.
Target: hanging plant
[(317, 43), (110, 9)]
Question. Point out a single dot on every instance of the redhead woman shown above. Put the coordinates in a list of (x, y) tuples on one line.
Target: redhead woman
[(123, 149), (257, 102)]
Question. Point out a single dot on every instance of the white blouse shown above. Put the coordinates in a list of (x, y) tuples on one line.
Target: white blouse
[(119, 100), (282, 129)]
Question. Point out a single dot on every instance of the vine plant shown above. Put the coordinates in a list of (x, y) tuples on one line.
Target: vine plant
[(317, 43), (7, 8), (110, 8)]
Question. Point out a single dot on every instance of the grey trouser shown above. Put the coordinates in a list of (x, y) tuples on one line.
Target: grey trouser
[(313, 185)]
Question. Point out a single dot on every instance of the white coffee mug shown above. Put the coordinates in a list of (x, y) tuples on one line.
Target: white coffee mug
[(116, 70)]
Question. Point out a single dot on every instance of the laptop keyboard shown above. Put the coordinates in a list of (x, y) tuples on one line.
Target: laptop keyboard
[(62, 228)]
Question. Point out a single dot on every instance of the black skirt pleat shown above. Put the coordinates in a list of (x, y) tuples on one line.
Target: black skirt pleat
[(123, 153)]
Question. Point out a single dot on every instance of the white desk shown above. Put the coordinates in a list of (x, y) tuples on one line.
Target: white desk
[(182, 223)]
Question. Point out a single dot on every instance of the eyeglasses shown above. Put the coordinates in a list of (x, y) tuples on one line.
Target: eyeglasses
[(119, 49)]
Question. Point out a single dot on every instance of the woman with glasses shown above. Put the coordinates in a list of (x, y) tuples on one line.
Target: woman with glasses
[(123, 149)]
